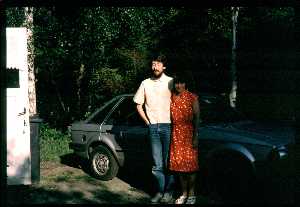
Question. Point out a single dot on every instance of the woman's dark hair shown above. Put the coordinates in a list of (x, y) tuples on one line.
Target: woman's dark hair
[(180, 78), (185, 77)]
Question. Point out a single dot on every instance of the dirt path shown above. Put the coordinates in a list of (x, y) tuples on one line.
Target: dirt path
[(63, 184)]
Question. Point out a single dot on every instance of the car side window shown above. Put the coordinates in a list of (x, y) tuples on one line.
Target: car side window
[(125, 114)]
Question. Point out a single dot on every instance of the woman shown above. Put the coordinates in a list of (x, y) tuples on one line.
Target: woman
[(184, 142)]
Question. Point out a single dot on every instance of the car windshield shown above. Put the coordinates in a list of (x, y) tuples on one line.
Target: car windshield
[(98, 116), (214, 110)]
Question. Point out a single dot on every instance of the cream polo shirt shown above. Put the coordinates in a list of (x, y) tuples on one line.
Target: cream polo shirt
[(156, 95)]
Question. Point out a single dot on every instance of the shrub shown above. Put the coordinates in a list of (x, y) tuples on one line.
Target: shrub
[(53, 143)]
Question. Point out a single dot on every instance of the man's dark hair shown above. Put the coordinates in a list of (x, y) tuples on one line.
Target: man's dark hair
[(160, 58)]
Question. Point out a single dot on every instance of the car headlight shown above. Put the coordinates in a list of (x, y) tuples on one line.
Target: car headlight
[(283, 151), (273, 155), (277, 153)]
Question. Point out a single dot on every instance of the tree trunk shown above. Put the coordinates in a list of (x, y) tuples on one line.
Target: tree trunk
[(78, 82), (59, 97), (233, 92), (28, 23)]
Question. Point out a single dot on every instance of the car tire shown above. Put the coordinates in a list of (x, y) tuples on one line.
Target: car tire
[(103, 164), (230, 177)]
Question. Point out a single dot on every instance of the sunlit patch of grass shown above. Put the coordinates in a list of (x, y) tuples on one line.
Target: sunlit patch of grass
[(85, 178), (68, 177), (63, 176)]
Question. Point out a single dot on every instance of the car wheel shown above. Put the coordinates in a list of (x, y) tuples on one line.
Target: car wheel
[(103, 163), (230, 177)]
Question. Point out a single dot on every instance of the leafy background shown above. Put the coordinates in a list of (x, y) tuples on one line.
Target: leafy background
[(86, 55)]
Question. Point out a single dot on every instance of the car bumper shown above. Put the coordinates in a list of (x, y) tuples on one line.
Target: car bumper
[(267, 170), (120, 157)]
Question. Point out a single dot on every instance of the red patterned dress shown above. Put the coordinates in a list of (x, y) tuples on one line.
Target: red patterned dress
[(183, 157)]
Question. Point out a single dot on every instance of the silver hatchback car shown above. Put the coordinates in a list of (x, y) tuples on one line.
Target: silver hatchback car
[(231, 147)]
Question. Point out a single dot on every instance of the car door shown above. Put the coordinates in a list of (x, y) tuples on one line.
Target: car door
[(130, 132)]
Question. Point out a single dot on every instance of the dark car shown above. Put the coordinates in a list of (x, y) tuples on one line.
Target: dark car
[(230, 146)]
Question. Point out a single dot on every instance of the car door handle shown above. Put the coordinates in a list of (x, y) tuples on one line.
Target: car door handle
[(121, 133), (113, 131), (83, 138)]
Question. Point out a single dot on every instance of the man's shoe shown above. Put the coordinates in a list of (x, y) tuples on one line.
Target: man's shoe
[(157, 198), (167, 198)]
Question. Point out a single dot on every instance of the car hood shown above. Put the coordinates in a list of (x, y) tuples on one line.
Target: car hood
[(268, 133)]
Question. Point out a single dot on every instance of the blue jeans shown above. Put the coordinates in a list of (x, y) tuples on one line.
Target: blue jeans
[(160, 135)]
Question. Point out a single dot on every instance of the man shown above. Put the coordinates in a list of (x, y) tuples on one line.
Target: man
[(155, 93)]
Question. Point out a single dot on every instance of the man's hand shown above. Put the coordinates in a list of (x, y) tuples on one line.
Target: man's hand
[(142, 114)]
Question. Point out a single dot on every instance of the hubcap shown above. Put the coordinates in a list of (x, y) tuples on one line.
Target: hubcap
[(101, 164)]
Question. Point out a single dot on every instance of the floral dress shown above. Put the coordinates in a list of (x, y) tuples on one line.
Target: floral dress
[(183, 157)]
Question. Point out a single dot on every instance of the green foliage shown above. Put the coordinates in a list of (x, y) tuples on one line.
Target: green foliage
[(15, 16), (132, 63), (281, 12), (266, 27), (107, 81), (84, 56), (111, 43), (219, 21), (53, 143)]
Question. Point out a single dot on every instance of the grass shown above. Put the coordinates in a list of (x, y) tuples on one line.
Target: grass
[(53, 143)]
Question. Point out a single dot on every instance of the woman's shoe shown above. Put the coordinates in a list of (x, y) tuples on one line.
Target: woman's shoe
[(191, 200), (181, 200)]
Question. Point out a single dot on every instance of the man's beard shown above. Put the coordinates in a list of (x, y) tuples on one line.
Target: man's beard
[(157, 75)]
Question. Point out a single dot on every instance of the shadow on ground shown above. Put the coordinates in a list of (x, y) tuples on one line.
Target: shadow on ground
[(74, 161), (276, 188), (136, 174), (139, 176), (28, 195), (60, 184)]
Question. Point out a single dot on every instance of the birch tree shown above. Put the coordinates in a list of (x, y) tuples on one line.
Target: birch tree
[(28, 23), (233, 92)]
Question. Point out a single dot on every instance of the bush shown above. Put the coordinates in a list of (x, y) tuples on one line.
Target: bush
[(53, 143)]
